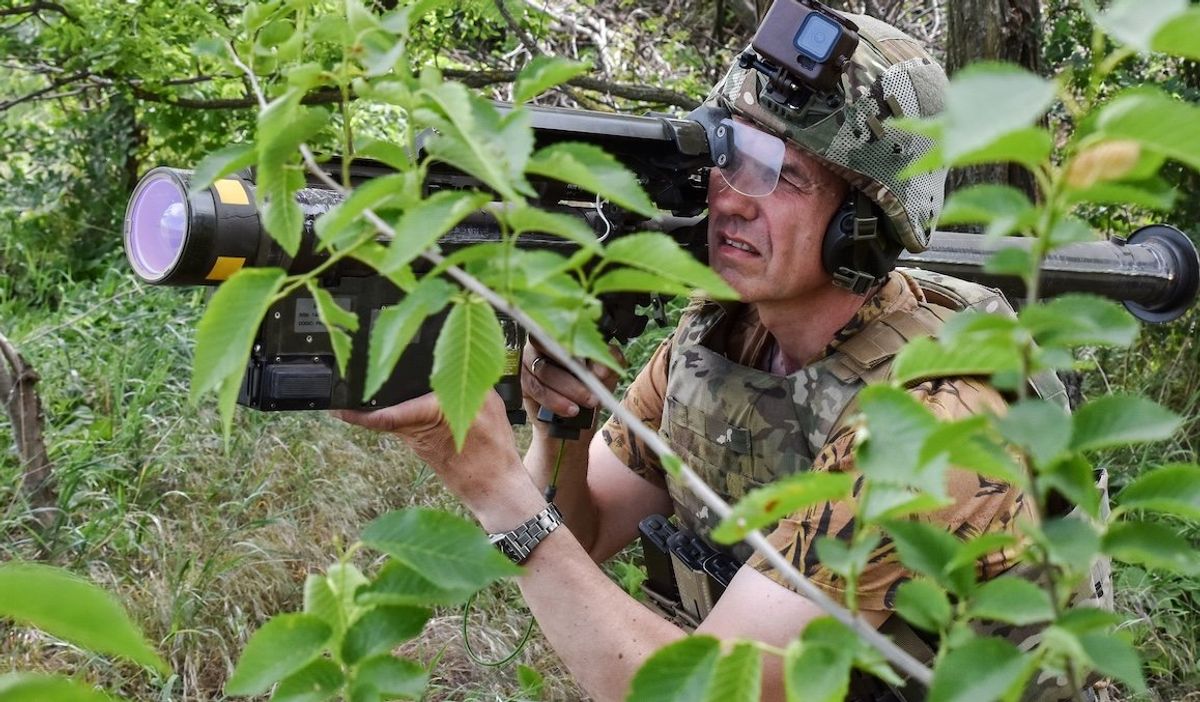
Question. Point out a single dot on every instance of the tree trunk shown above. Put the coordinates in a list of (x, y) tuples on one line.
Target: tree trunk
[(994, 30), (17, 381)]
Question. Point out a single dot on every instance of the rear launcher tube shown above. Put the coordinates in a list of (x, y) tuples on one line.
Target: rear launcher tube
[(1155, 273)]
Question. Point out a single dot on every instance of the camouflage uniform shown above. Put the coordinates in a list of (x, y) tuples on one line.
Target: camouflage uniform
[(740, 428)]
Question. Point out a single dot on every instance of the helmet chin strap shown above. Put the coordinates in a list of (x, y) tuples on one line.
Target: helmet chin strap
[(857, 251)]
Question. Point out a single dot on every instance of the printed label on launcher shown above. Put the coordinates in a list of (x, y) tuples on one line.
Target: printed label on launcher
[(308, 321)]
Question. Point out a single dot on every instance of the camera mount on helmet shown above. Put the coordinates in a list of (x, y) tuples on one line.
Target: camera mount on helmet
[(802, 48)]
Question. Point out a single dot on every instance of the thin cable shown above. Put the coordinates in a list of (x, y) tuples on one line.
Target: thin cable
[(552, 489), (471, 652)]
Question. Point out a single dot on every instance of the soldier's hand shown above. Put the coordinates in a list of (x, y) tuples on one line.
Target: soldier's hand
[(549, 385)]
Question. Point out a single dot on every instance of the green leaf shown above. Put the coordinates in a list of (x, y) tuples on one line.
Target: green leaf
[(40, 687), (738, 677), (678, 672), (592, 169), (390, 678), (1177, 37), (926, 358), (448, 551), (1113, 655), (982, 670), (335, 319), (570, 227), (318, 681), (533, 685), (988, 101), (897, 427), (1010, 261), (1157, 120), (817, 667), (929, 549), (399, 584), (883, 502), (396, 326), (1151, 193), (423, 225), (344, 580), (1071, 543), (470, 137), (770, 503), (1152, 545), (221, 163), (1070, 230), (1013, 600), (1074, 477), (1135, 23), (321, 601), (1041, 428), (1003, 208), (1121, 420), (982, 545), (282, 646), (467, 361), (370, 195), (845, 559), (1030, 147), (282, 126), (923, 604), (973, 449), (73, 609), (1084, 619), (380, 629), (1170, 489), (226, 332), (634, 280), (661, 254), (1079, 320), (543, 73)]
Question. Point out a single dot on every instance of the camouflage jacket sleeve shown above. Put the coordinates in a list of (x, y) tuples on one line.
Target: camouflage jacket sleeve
[(980, 506), (645, 399)]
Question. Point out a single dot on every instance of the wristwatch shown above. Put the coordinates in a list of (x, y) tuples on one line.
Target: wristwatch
[(520, 542)]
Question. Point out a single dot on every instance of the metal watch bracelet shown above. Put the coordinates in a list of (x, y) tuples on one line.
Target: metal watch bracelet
[(520, 542)]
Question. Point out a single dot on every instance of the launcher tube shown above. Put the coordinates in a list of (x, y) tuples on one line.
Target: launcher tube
[(1155, 273)]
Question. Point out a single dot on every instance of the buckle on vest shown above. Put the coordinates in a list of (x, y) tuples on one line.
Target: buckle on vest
[(855, 281)]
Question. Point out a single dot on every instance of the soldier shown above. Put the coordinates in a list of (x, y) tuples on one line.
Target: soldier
[(806, 227)]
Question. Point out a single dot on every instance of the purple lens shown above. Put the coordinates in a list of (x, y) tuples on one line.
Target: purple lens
[(156, 226)]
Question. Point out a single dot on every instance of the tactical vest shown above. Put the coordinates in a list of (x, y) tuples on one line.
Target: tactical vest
[(740, 428)]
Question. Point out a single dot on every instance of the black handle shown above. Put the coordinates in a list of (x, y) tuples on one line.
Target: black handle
[(567, 427)]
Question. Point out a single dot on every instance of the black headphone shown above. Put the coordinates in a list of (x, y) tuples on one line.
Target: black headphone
[(856, 249)]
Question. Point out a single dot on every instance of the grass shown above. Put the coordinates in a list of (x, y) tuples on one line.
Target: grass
[(201, 542), (1162, 610)]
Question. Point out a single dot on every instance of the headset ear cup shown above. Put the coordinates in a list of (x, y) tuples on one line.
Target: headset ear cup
[(837, 249)]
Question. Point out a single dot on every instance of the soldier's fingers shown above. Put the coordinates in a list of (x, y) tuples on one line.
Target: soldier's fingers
[(547, 396)]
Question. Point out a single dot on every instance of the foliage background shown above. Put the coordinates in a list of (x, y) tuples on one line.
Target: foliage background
[(205, 544)]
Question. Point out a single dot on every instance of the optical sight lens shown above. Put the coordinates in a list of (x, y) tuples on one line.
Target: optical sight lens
[(156, 226)]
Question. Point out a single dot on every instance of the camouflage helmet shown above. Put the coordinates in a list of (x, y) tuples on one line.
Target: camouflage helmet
[(889, 75)]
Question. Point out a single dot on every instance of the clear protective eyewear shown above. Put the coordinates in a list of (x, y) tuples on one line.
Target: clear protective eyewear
[(753, 161)]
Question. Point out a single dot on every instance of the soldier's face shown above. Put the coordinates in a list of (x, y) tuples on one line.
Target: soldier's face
[(769, 248)]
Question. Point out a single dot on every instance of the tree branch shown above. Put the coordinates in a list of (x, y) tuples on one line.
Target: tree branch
[(640, 93), (36, 8)]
